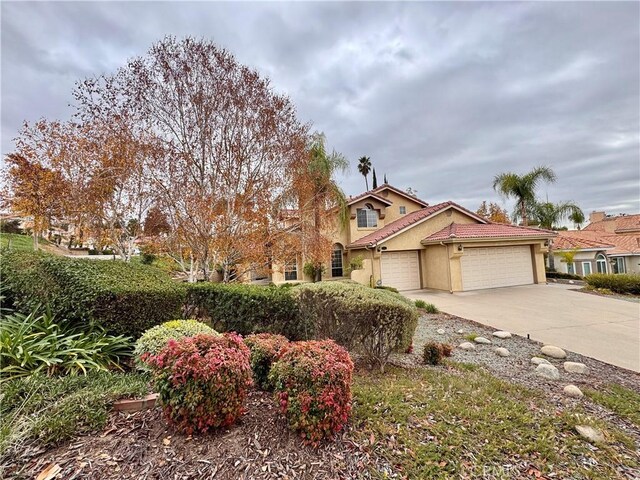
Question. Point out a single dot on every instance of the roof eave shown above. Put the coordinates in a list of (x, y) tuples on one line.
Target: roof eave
[(483, 239)]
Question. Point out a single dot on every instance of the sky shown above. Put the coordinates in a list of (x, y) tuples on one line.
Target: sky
[(441, 96)]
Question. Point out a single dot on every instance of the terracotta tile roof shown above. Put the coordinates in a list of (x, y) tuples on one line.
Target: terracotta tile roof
[(369, 193), (614, 244), (617, 224), (489, 230), (398, 225)]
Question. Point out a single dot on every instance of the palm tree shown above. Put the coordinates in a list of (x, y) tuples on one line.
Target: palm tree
[(523, 189), (364, 167), (549, 215), (322, 197)]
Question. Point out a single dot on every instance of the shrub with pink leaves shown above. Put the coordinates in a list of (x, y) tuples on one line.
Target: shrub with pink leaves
[(202, 381), (313, 386), (264, 348)]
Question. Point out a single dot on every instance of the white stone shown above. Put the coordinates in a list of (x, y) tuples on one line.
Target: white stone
[(553, 352), (441, 331), (573, 391), (539, 360), (589, 433), (547, 371), (482, 340), (502, 352), (461, 330), (575, 367), (502, 334), (467, 346)]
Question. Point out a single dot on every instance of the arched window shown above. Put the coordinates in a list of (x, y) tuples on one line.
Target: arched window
[(601, 263), (336, 261), (367, 217)]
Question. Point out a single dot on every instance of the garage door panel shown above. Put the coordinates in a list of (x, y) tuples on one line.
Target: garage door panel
[(401, 270), (492, 267)]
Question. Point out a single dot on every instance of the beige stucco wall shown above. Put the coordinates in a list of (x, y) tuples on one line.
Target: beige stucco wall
[(393, 212), (435, 267)]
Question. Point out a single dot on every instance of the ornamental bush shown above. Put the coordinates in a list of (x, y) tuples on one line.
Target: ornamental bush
[(123, 298), (264, 348), (202, 381), (313, 386), (247, 309), (373, 322), (156, 338), (626, 283), (434, 352)]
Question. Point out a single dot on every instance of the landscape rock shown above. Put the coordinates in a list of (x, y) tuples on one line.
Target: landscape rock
[(502, 352), (441, 331), (573, 391), (553, 352), (482, 340), (548, 371), (589, 433), (467, 346), (461, 330), (502, 334), (575, 367), (539, 360)]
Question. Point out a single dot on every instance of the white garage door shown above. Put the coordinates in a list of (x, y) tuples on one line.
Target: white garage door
[(401, 270), (496, 267)]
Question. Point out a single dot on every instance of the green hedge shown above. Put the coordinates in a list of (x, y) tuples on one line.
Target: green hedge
[(123, 298), (564, 276), (619, 283), (247, 309), (374, 322)]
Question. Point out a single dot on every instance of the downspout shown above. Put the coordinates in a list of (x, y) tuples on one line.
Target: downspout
[(372, 259), (448, 266)]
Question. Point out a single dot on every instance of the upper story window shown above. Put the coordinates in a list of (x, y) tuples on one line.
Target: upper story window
[(403, 209), (367, 217)]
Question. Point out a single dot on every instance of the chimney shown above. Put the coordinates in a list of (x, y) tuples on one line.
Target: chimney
[(596, 216)]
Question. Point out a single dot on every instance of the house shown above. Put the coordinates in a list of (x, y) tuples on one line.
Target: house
[(408, 244), (609, 244)]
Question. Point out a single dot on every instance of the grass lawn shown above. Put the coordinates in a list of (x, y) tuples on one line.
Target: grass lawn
[(461, 422), (16, 241), (620, 400)]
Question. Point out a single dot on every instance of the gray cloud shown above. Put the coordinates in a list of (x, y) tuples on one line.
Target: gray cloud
[(441, 96)]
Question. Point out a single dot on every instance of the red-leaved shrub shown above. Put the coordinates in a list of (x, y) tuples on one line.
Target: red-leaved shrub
[(313, 385), (202, 381), (264, 351)]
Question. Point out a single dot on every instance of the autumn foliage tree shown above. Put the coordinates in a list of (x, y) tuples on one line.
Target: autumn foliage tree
[(493, 212), (35, 191)]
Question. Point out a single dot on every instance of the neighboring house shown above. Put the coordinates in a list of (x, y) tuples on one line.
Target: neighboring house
[(609, 244), (408, 244)]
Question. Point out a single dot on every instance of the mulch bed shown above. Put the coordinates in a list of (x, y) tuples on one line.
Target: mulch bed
[(617, 296), (141, 446)]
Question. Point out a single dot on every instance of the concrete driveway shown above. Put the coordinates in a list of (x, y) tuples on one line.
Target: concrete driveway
[(604, 328)]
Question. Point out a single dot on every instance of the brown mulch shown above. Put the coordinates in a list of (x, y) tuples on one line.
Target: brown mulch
[(142, 446)]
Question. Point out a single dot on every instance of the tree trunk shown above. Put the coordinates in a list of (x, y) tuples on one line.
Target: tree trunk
[(552, 261), (36, 244), (523, 214), (366, 182)]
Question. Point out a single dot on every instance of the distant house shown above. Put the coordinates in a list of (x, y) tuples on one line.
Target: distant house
[(408, 244), (609, 244)]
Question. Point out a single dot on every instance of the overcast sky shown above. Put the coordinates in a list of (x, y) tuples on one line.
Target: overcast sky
[(441, 96)]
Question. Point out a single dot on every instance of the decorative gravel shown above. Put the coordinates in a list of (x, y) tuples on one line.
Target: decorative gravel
[(517, 367)]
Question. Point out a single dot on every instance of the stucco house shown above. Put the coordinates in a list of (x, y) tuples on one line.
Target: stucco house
[(609, 244), (408, 244)]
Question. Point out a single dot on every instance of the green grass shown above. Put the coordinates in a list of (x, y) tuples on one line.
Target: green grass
[(51, 410), (618, 399), (464, 423), (16, 241), (471, 336)]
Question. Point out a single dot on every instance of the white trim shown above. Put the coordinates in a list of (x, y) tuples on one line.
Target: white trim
[(625, 255), (601, 258), (590, 270), (578, 250), (399, 192), (528, 238)]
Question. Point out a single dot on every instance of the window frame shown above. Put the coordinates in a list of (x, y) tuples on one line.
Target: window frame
[(571, 268), (291, 274), (402, 209), (370, 217), (336, 253), (601, 260), (619, 261), (584, 274)]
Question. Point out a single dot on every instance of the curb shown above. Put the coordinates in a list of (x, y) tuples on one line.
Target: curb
[(136, 404)]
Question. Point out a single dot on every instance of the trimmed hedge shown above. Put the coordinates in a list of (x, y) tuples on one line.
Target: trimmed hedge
[(313, 386), (564, 276), (247, 309), (202, 381), (373, 322), (626, 284), (153, 341), (122, 298)]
